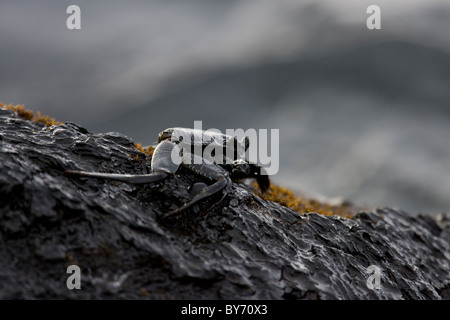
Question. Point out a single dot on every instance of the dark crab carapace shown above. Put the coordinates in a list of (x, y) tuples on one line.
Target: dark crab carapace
[(174, 149)]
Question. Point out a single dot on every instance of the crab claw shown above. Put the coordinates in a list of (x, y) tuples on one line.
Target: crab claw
[(263, 182)]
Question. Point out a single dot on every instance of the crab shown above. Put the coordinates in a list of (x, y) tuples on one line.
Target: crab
[(174, 149)]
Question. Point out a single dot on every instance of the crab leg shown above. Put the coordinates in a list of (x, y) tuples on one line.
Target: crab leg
[(211, 172), (162, 166), (130, 178), (223, 183)]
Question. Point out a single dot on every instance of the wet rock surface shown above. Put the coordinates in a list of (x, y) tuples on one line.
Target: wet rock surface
[(242, 248)]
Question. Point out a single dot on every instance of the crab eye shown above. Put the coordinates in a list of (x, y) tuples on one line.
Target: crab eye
[(166, 134)]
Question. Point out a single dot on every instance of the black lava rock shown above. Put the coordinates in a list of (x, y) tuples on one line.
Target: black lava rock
[(242, 248)]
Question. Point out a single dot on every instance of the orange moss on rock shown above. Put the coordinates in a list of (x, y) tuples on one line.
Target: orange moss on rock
[(148, 151), (29, 115), (289, 199), (48, 121)]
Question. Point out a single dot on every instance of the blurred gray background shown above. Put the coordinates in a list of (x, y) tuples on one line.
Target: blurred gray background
[(363, 114)]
